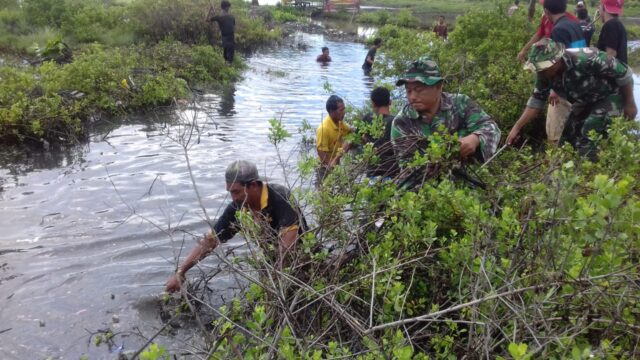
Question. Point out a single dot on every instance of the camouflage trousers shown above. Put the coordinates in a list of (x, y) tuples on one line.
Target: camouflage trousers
[(585, 117)]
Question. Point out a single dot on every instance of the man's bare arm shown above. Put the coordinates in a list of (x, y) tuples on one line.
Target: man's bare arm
[(199, 252)]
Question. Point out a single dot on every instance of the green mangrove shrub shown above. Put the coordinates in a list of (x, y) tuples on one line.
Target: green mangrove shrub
[(479, 59), (543, 263)]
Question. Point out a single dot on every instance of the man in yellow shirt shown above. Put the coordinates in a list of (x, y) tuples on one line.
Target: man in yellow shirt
[(330, 135)]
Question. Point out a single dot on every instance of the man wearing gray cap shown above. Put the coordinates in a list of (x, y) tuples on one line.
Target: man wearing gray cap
[(268, 203)]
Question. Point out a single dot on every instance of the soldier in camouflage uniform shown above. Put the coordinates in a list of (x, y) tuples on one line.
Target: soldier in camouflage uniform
[(431, 110), (597, 85)]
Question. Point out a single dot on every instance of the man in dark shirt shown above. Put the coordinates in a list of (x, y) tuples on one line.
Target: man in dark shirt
[(613, 37), (270, 206), (227, 24), (567, 32), (386, 165), (371, 56)]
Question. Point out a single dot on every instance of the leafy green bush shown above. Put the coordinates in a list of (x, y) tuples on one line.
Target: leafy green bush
[(88, 21), (51, 101), (543, 263), (380, 17), (284, 14), (184, 20), (478, 60)]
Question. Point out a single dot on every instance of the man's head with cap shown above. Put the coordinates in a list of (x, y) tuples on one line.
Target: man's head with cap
[(243, 182), (423, 83), (613, 7), (545, 57)]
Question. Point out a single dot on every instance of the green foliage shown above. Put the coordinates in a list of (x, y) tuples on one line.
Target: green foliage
[(478, 60), (553, 239), (51, 101), (154, 352), (383, 17), (285, 14), (185, 21), (277, 132), (548, 251)]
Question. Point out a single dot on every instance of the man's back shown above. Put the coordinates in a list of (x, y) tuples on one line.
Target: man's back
[(590, 76), (227, 24), (614, 36), (568, 33)]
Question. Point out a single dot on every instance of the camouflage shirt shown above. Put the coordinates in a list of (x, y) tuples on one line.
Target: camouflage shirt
[(458, 114), (590, 76)]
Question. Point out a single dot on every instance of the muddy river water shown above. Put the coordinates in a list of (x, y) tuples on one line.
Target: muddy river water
[(83, 231)]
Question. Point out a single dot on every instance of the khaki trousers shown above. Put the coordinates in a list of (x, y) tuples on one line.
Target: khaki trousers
[(557, 116)]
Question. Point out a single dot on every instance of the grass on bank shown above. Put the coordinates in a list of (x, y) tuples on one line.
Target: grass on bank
[(112, 57)]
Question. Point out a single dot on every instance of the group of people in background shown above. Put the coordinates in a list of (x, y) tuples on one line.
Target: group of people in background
[(583, 86)]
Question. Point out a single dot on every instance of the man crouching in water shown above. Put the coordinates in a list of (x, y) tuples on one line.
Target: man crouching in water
[(268, 203)]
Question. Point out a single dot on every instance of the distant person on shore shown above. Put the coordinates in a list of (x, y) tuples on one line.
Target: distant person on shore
[(386, 166), (613, 36), (271, 208), (330, 142), (513, 8), (227, 24), (367, 66), (585, 22), (441, 28), (597, 85), (324, 57)]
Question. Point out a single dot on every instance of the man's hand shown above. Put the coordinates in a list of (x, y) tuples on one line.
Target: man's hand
[(468, 145), (522, 55), (553, 98), (175, 282), (630, 110), (513, 135)]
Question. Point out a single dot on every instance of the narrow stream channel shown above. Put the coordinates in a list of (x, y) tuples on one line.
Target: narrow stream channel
[(79, 249)]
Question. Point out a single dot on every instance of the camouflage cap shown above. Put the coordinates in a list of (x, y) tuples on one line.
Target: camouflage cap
[(543, 55), (241, 171), (424, 70)]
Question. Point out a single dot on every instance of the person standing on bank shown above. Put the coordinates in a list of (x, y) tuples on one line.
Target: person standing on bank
[(227, 24), (585, 22), (367, 66), (270, 205), (613, 36), (441, 29)]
